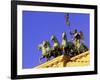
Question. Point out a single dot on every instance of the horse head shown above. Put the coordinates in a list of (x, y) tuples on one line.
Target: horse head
[(52, 38), (39, 46), (64, 37)]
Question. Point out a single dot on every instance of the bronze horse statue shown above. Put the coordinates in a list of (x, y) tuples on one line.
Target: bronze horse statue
[(56, 50), (45, 47)]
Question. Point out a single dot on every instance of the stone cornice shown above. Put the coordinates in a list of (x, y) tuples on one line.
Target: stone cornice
[(82, 59)]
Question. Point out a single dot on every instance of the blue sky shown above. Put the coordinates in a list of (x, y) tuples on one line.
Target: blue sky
[(39, 26)]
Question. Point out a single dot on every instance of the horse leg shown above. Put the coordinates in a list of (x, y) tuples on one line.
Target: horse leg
[(41, 58), (65, 51), (48, 57), (54, 54), (58, 52)]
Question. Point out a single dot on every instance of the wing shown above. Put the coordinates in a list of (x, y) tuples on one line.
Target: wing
[(81, 35)]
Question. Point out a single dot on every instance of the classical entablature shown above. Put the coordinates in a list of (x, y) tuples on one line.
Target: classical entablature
[(82, 59)]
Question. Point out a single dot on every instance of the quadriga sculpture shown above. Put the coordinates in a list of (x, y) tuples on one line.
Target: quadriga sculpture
[(69, 48)]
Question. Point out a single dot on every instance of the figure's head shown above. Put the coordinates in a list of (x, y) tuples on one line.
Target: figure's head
[(75, 31)]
